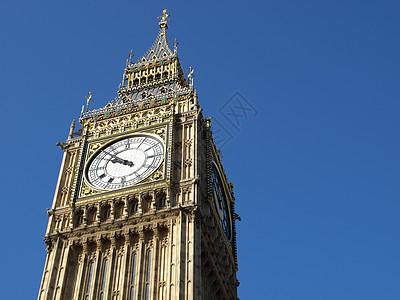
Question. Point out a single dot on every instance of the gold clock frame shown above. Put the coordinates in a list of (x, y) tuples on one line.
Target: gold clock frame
[(161, 177)]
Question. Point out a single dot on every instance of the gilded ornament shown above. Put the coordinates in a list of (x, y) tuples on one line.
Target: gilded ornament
[(157, 175), (87, 191)]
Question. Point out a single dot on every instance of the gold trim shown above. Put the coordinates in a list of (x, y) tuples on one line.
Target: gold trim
[(159, 131), (120, 193)]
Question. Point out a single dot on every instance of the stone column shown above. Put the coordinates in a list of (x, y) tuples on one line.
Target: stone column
[(98, 216), (112, 210), (140, 204), (140, 264), (125, 266), (82, 261), (96, 276), (125, 213), (45, 276), (155, 260), (63, 270), (181, 257), (109, 285)]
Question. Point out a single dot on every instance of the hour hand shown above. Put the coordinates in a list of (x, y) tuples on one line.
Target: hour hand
[(122, 161)]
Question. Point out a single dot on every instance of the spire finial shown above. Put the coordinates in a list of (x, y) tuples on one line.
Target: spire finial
[(190, 76), (129, 59), (164, 19), (175, 46), (71, 129), (208, 122), (88, 99)]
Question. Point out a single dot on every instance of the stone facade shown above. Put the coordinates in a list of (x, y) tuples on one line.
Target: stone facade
[(167, 236)]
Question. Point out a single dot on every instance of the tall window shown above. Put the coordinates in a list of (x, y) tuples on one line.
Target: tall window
[(79, 219), (103, 282), (89, 281), (134, 207), (133, 276), (148, 275)]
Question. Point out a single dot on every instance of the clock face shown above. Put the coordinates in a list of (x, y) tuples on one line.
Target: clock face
[(125, 162), (220, 202)]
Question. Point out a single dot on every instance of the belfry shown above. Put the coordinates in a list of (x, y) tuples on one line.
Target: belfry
[(142, 208)]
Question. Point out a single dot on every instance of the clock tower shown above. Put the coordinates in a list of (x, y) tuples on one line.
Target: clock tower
[(142, 208)]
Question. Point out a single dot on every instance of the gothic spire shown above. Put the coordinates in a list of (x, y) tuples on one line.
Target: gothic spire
[(156, 77), (159, 49)]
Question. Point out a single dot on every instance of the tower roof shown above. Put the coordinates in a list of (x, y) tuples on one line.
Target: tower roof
[(159, 49), (156, 76)]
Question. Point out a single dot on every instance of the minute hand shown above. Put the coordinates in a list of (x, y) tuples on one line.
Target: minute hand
[(119, 160)]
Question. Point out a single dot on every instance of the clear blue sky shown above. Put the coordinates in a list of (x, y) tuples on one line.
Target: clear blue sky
[(316, 170)]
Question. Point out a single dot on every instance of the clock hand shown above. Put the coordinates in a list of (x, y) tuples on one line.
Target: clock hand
[(112, 155), (119, 160), (122, 161)]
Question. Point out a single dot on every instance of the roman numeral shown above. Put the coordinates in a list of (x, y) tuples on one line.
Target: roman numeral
[(137, 175)]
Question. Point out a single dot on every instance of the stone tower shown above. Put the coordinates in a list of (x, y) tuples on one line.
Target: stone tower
[(142, 208)]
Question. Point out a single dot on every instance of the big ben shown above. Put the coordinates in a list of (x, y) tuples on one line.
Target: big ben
[(143, 208)]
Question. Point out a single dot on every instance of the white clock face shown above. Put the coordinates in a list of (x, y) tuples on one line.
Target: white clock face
[(125, 162)]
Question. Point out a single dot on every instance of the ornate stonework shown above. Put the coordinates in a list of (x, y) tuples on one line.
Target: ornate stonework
[(169, 235)]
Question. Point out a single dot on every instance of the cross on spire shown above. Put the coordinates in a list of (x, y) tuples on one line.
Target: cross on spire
[(164, 19)]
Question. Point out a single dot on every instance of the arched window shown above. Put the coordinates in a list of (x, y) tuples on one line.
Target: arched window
[(133, 276), (134, 207), (161, 200), (148, 273), (79, 218), (106, 213), (103, 282), (91, 213), (146, 203)]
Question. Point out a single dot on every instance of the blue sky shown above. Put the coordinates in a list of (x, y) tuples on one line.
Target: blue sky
[(315, 165)]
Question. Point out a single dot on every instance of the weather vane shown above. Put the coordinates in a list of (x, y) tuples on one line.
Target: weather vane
[(190, 76)]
